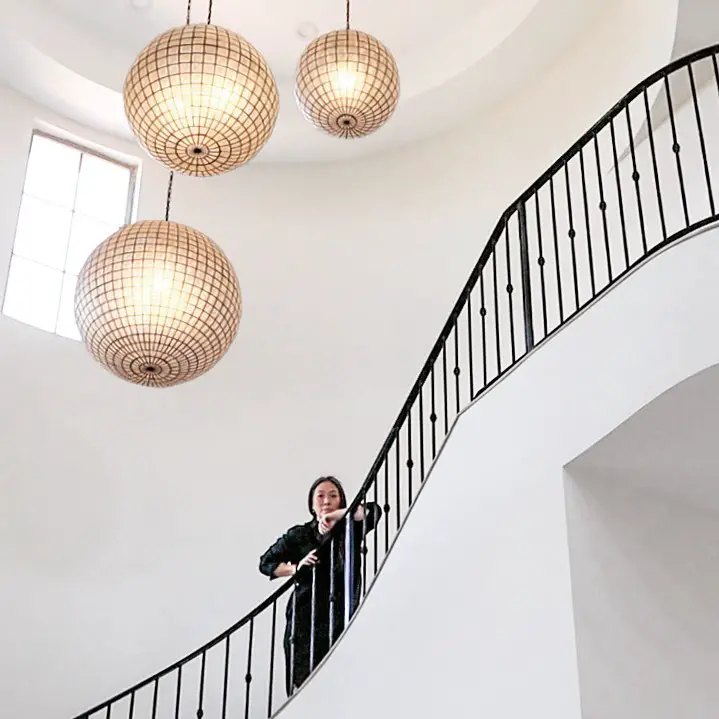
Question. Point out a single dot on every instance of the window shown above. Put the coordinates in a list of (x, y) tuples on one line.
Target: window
[(73, 199)]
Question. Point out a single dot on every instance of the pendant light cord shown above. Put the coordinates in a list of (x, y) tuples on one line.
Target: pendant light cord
[(348, 14), (188, 18), (169, 196), (168, 201)]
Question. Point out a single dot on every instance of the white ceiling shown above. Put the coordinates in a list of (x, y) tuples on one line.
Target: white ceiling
[(272, 26), (455, 57)]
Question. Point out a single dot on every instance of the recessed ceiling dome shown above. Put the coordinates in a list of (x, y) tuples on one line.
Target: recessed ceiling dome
[(456, 58)]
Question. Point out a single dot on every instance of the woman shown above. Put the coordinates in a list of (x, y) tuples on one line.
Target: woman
[(323, 563)]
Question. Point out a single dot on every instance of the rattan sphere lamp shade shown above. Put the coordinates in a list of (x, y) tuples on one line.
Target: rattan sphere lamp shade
[(158, 303), (201, 100), (347, 83)]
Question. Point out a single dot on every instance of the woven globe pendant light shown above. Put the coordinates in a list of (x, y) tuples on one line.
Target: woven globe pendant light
[(347, 82), (201, 100), (157, 303)]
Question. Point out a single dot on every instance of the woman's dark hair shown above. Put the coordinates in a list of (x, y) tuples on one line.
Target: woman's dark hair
[(317, 482)]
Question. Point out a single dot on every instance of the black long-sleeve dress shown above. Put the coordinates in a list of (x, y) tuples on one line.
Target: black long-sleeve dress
[(292, 547)]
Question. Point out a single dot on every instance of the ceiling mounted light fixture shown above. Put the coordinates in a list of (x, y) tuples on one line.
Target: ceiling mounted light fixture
[(201, 99), (347, 82)]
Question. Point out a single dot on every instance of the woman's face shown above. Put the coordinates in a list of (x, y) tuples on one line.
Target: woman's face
[(326, 499)]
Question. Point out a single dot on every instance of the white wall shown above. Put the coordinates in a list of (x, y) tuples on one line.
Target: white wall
[(642, 507), (645, 583), (130, 520), (473, 614)]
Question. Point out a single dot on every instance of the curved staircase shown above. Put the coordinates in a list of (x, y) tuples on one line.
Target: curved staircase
[(627, 189)]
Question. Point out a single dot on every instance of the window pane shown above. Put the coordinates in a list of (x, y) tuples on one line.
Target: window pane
[(43, 231), (66, 325), (85, 235), (33, 294), (102, 190), (52, 171)]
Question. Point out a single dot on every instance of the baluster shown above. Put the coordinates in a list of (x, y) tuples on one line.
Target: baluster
[(716, 72), (702, 143), (603, 208), (444, 382), (655, 165), (313, 609), (572, 235), (201, 698), (398, 512), (510, 294), (248, 674), (590, 251), (526, 278), (376, 529), (131, 712), (541, 262), (273, 641), (470, 345), (226, 678), (620, 197), (421, 435), (364, 544), (349, 571), (410, 461), (496, 311), (483, 315), (333, 580), (457, 370), (676, 149), (155, 691), (635, 178), (293, 631), (555, 233), (386, 504), (433, 416), (179, 692)]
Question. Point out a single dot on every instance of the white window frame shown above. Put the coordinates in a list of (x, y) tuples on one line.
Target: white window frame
[(84, 149)]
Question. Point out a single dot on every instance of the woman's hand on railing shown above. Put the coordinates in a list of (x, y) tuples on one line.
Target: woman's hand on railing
[(327, 521), (308, 561), (285, 569)]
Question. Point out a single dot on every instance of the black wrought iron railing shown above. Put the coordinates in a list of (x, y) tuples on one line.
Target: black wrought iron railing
[(638, 180)]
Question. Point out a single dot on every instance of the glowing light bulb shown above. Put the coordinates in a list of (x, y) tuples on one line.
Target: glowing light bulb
[(344, 81)]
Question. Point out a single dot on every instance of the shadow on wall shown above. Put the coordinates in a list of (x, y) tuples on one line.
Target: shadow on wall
[(642, 508)]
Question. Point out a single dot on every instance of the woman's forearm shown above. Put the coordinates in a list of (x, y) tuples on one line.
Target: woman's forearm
[(358, 516), (285, 569)]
